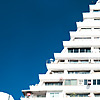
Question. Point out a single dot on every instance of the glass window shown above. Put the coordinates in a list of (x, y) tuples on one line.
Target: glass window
[(82, 50), (54, 95), (61, 60), (70, 50), (78, 72), (78, 95), (97, 95), (97, 61), (85, 82), (58, 72), (98, 81), (73, 61), (67, 82), (53, 83), (94, 82), (84, 61), (96, 19), (85, 28), (76, 50), (96, 37), (96, 10), (97, 28), (88, 50), (71, 82), (41, 96)]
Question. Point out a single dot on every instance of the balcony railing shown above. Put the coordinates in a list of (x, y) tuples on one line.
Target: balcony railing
[(50, 61), (66, 98)]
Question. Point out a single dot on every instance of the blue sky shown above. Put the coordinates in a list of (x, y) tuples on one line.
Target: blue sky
[(31, 31)]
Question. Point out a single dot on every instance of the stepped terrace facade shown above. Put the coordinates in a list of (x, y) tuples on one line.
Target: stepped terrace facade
[(75, 72)]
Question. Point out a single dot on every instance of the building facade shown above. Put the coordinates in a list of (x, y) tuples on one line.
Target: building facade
[(75, 72)]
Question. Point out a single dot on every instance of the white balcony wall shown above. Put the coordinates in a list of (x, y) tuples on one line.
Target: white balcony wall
[(73, 66), (57, 78), (67, 98), (94, 7), (83, 34), (68, 89), (77, 56), (90, 24), (81, 44), (91, 15)]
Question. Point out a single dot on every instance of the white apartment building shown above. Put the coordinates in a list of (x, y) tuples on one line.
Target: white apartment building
[(75, 72)]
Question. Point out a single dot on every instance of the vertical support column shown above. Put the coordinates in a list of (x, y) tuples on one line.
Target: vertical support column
[(92, 49), (92, 61), (65, 72), (92, 71), (64, 94), (66, 61)]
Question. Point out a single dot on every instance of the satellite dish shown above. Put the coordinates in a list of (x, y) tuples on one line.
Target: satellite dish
[(5, 96)]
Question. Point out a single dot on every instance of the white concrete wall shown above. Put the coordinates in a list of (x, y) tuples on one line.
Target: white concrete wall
[(72, 67)]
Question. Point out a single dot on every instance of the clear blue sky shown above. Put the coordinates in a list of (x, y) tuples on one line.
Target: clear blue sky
[(31, 31)]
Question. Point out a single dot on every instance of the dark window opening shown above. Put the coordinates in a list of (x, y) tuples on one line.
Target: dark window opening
[(98, 81), (61, 60), (78, 95), (58, 72), (94, 82), (53, 83), (86, 28), (96, 10)]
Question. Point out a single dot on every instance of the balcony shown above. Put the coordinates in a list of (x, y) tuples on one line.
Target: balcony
[(74, 56), (49, 61), (67, 98), (81, 44)]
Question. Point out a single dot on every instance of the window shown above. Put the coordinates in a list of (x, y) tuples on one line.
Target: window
[(78, 95), (94, 82), (84, 61), (70, 50), (79, 50), (98, 81), (96, 10), (96, 37), (71, 82), (76, 50), (78, 72), (61, 60), (54, 95), (39, 96), (82, 37), (53, 83), (87, 50), (97, 19), (73, 61), (82, 50), (85, 28), (58, 72), (97, 71), (97, 28), (97, 61), (97, 95), (87, 82)]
